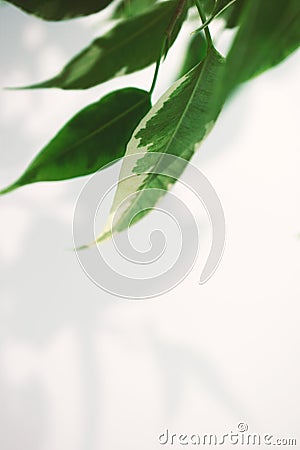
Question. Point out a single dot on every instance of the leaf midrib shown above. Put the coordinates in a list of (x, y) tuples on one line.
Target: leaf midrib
[(204, 64), (140, 30), (124, 42), (100, 129), (152, 175)]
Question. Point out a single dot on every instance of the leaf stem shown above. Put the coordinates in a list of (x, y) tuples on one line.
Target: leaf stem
[(213, 16), (203, 19), (158, 62), (167, 40)]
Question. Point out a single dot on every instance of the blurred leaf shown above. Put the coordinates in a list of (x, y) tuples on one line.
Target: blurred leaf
[(208, 6), (60, 10), (129, 8), (233, 14), (130, 46), (180, 120), (195, 53), (267, 36), (96, 136)]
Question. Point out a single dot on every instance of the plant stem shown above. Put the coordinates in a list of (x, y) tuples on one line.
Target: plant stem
[(203, 19)]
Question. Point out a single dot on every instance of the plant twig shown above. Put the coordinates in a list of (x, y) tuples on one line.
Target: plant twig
[(158, 62), (203, 19)]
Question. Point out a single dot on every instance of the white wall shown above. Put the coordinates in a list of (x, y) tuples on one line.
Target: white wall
[(82, 370)]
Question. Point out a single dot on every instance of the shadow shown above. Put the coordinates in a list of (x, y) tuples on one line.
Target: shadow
[(50, 294), (179, 365), (15, 405)]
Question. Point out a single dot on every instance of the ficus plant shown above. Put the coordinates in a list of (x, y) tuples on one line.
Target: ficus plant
[(124, 121)]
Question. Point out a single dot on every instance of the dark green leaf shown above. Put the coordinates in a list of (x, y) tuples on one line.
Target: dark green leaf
[(129, 8), (130, 46), (196, 52), (233, 15), (96, 136), (179, 122), (60, 10), (269, 33), (208, 6)]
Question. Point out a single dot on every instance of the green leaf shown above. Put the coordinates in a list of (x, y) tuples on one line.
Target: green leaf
[(195, 53), (129, 8), (130, 46), (233, 15), (208, 6), (93, 138), (180, 121), (269, 33), (60, 10)]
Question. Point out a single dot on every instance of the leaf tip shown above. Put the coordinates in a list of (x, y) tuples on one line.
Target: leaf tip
[(8, 189), (11, 88), (84, 247), (42, 85)]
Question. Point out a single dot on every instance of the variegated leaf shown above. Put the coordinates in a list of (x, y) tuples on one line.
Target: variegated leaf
[(179, 122)]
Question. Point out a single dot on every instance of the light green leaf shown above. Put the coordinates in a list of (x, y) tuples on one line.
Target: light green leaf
[(269, 32), (179, 122), (93, 138), (60, 10), (129, 8), (130, 46)]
